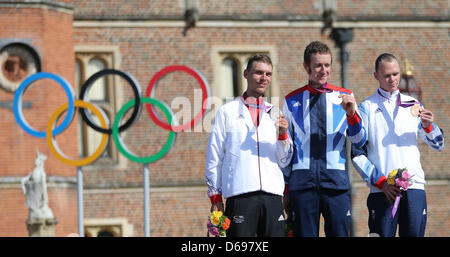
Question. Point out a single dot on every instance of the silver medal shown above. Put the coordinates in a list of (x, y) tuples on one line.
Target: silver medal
[(275, 113)]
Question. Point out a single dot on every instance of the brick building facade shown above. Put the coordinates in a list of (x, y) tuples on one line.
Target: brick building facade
[(76, 37)]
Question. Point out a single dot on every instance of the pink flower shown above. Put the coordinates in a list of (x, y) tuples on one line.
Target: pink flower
[(214, 231), (402, 183), (405, 175)]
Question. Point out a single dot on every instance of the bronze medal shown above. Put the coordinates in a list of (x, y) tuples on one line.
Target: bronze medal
[(415, 109)]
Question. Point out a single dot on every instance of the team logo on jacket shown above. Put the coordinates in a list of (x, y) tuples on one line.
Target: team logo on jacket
[(238, 219), (372, 214)]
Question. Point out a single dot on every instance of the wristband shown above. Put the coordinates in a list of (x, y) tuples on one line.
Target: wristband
[(380, 182), (215, 199), (429, 128), (283, 137), (353, 120)]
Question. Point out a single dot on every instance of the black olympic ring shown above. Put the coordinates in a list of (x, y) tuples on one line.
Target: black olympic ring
[(137, 95)]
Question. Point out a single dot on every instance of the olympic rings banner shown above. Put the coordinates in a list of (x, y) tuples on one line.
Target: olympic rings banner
[(104, 127)]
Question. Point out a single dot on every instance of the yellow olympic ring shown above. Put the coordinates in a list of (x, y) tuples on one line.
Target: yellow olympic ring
[(54, 147)]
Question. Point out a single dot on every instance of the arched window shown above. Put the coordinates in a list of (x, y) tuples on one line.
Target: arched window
[(97, 91), (97, 94), (108, 227), (408, 84), (105, 233), (101, 93), (229, 78), (229, 66), (78, 70)]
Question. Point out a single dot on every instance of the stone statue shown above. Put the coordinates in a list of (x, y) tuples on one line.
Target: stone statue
[(34, 186)]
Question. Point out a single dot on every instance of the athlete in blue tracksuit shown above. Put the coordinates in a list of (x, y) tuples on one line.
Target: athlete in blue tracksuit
[(316, 181)]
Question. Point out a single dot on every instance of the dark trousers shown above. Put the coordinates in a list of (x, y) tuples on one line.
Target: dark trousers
[(411, 215), (255, 214), (307, 205)]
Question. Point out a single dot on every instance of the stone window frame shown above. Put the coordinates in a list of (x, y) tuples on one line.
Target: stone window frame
[(241, 53), (110, 55), (118, 227)]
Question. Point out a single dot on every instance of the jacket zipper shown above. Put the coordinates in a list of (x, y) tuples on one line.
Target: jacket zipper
[(257, 146), (318, 178), (259, 164)]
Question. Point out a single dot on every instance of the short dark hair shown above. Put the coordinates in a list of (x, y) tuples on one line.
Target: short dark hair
[(258, 58), (384, 57), (313, 48)]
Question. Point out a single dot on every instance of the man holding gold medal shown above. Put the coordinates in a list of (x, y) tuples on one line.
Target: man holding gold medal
[(247, 146), (393, 121), (320, 117)]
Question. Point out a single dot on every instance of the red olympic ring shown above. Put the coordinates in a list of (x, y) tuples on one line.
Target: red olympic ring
[(153, 84)]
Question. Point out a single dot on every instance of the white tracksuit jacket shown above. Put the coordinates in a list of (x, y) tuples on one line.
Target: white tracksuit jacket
[(243, 158), (392, 133)]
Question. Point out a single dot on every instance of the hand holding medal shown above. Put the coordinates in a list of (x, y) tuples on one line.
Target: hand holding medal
[(274, 113), (426, 117), (282, 124), (348, 103), (280, 121)]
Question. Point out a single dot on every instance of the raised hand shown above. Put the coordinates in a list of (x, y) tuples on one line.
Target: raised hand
[(348, 103), (282, 124), (426, 117)]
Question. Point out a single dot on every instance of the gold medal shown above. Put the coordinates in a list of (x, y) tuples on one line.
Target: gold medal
[(415, 110), (334, 98)]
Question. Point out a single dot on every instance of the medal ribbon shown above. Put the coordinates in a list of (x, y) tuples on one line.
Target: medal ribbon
[(404, 104), (254, 105), (323, 89), (395, 207)]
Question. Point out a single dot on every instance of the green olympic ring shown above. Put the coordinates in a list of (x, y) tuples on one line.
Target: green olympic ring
[(122, 147)]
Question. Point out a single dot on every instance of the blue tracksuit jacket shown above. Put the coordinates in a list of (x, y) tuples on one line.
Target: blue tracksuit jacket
[(318, 129)]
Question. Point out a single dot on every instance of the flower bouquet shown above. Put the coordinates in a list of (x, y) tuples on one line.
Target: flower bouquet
[(217, 224), (401, 179)]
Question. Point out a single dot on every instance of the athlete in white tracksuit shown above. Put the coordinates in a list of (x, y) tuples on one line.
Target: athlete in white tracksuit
[(247, 146), (391, 143)]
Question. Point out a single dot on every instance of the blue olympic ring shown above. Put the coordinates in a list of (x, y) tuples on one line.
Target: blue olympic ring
[(17, 104)]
